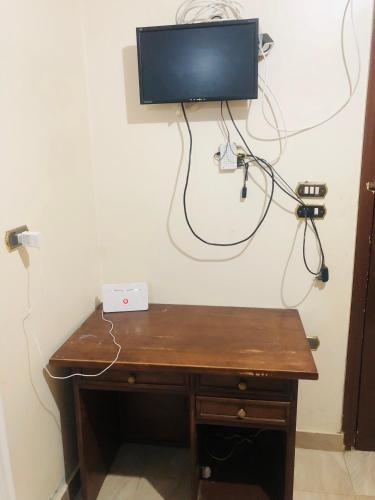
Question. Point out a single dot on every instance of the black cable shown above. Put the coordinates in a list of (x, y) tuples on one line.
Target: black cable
[(304, 250), (245, 179), (271, 173), (219, 156), (238, 439), (295, 197)]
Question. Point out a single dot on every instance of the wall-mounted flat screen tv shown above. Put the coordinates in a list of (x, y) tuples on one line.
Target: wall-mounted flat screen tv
[(213, 61)]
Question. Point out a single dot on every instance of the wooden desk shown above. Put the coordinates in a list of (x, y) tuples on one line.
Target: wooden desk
[(192, 375)]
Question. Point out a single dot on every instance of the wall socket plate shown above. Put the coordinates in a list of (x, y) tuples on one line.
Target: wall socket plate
[(11, 240), (311, 212), (311, 190)]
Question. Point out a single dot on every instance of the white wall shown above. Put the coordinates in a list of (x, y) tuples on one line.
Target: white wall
[(46, 183), (138, 152), (6, 478)]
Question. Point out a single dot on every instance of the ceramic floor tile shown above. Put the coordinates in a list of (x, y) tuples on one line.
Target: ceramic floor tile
[(361, 465), (322, 472), (164, 461), (148, 473), (162, 489), (304, 495), (119, 488), (130, 461), (153, 473)]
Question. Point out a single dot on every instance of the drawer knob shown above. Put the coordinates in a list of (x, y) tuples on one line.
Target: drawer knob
[(242, 386), (241, 413), (131, 379)]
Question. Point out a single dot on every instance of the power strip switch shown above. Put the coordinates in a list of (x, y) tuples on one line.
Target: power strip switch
[(228, 156)]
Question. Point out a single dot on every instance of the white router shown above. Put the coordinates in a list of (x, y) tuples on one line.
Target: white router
[(125, 297)]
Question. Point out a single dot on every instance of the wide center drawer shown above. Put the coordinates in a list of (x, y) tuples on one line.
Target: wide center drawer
[(137, 379), (273, 413)]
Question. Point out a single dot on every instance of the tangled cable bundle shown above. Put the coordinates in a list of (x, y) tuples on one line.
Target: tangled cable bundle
[(199, 11)]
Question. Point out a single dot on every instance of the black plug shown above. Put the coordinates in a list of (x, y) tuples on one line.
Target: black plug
[(244, 192), (324, 274), (240, 160)]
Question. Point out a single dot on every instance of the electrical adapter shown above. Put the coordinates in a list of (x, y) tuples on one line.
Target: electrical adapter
[(29, 239), (324, 274)]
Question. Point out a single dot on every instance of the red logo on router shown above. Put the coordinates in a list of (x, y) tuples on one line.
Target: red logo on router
[(125, 301)]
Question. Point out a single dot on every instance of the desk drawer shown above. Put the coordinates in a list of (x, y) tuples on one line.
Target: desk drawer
[(250, 387), (136, 378), (273, 413)]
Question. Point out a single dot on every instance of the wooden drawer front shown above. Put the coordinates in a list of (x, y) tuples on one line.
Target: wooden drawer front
[(251, 387), (242, 410), (134, 378)]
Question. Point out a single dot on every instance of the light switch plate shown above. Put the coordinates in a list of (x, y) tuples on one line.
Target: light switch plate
[(122, 297)]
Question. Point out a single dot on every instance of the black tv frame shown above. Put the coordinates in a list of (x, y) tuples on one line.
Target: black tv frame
[(192, 26)]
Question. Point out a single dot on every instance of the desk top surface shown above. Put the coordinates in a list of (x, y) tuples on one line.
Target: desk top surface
[(266, 342)]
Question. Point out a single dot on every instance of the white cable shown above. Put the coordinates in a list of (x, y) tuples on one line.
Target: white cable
[(352, 88), (283, 140), (192, 11), (83, 374), (37, 344), (198, 11), (264, 88), (33, 384)]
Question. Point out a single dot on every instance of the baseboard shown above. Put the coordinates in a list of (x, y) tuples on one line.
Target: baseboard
[(72, 486), (319, 441)]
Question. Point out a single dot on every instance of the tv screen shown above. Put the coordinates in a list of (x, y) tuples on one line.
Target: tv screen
[(213, 61)]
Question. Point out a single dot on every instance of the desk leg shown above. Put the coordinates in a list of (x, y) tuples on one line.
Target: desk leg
[(291, 445), (97, 435)]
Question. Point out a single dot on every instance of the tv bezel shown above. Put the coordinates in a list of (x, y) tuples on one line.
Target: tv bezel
[(194, 26)]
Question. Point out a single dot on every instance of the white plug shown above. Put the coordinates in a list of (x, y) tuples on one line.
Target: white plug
[(30, 239)]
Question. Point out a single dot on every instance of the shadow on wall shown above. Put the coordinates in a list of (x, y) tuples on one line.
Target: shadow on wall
[(61, 391), (166, 113)]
